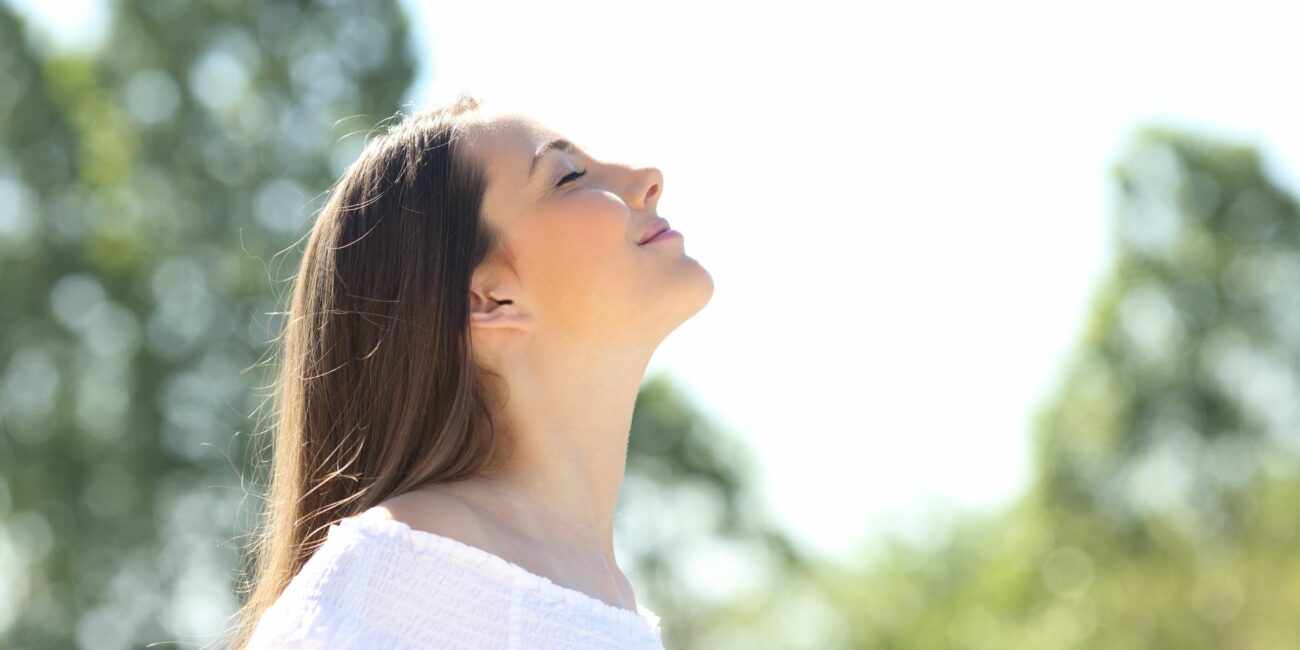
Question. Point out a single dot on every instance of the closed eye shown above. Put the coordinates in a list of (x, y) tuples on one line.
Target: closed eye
[(572, 176)]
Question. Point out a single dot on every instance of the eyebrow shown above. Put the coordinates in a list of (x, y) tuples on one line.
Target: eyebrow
[(559, 143)]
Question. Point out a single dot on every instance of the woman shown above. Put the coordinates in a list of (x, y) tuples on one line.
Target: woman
[(469, 326)]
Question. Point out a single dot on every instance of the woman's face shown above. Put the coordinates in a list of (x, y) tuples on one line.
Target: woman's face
[(571, 224)]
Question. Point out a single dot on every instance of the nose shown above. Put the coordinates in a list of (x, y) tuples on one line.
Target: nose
[(649, 185)]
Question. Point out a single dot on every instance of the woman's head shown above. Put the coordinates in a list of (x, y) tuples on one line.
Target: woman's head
[(437, 260), (569, 266)]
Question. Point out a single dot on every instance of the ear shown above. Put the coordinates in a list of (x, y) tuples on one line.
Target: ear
[(489, 310)]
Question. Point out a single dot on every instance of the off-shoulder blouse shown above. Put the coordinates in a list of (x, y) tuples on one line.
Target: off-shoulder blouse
[(377, 583)]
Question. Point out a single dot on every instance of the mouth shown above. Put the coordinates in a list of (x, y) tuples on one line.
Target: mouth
[(660, 225)]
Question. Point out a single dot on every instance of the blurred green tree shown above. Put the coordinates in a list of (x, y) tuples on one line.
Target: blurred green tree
[(1166, 475), (141, 189)]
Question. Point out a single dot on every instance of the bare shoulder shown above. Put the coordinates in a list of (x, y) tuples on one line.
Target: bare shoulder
[(462, 514), (467, 517), (440, 512)]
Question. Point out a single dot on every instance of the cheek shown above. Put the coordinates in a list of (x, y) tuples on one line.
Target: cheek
[(581, 251)]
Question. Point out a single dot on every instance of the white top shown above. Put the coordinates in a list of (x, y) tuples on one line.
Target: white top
[(378, 583)]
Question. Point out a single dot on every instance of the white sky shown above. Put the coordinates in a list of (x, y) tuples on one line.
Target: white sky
[(904, 206)]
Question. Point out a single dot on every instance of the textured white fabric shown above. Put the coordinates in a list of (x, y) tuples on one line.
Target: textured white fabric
[(378, 583)]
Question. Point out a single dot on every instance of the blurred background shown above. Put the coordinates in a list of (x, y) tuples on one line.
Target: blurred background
[(1004, 350)]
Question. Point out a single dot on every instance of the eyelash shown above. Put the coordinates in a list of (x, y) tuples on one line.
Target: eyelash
[(574, 176)]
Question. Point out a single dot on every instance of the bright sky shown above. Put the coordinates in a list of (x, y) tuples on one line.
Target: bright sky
[(904, 206)]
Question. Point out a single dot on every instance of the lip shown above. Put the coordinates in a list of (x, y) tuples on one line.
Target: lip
[(666, 234), (659, 225)]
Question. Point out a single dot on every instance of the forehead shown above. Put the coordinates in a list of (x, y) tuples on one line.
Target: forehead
[(504, 144)]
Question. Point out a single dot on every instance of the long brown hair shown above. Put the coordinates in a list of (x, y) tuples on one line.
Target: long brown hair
[(376, 391)]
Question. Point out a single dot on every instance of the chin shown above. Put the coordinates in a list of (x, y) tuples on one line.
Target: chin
[(707, 286), (695, 291), (680, 294)]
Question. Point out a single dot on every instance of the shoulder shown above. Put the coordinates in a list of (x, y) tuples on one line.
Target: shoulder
[(438, 511), (466, 516)]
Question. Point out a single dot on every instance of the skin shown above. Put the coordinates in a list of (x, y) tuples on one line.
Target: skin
[(571, 328)]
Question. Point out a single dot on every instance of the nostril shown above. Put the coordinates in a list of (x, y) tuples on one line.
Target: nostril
[(654, 189)]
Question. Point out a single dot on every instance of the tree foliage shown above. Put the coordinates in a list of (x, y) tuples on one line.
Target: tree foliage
[(1162, 511), (143, 187)]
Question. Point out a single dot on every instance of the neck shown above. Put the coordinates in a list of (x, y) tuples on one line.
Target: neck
[(567, 419)]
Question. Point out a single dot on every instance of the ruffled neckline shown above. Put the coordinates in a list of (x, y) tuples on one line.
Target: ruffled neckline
[(641, 620)]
